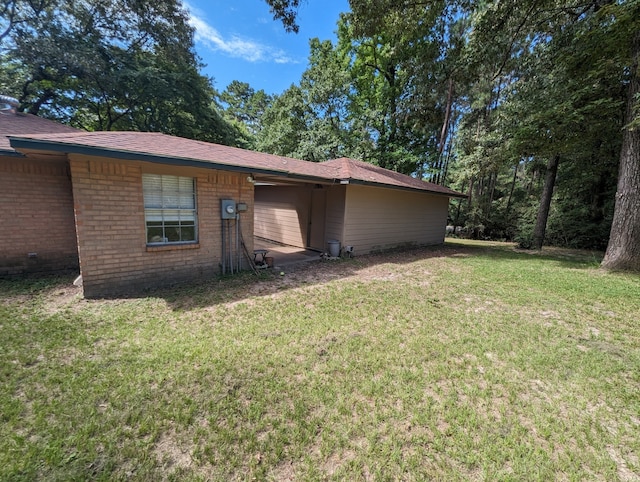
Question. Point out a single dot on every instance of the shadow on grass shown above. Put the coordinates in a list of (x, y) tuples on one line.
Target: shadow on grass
[(33, 283), (230, 289), (565, 257), (236, 288)]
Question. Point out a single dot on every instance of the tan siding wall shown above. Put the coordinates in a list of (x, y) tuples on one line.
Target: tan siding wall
[(114, 257), (36, 215), (335, 213), (379, 218), (282, 214)]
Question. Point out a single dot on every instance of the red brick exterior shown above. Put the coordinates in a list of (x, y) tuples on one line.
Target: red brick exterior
[(38, 230), (109, 210)]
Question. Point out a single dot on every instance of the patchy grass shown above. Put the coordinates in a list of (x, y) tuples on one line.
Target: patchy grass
[(471, 361)]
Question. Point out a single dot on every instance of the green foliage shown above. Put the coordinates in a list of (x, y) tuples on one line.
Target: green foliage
[(244, 106), (283, 124), (286, 11), (525, 224), (107, 65), (312, 121), (326, 88), (549, 88), (365, 98)]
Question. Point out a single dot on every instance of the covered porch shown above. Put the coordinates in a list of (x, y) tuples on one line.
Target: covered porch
[(283, 255)]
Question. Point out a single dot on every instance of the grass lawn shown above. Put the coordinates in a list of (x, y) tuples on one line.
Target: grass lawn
[(470, 361)]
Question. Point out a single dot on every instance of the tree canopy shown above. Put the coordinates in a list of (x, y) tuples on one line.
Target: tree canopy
[(530, 107), (108, 64)]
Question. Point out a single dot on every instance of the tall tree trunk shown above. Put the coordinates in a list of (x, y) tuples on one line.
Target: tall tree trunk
[(447, 116), (513, 186), (493, 178), (445, 169), (545, 202), (532, 180), (444, 132), (470, 194), (623, 250), (456, 220)]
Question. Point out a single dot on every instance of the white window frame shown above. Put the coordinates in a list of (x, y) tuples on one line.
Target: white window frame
[(170, 209)]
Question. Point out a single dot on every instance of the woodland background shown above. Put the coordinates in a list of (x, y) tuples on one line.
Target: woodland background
[(529, 107)]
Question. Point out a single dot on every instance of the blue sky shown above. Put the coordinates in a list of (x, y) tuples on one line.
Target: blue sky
[(239, 40)]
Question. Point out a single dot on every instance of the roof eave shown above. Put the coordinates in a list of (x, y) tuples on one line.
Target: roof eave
[(10, 153), (406, 188), (72, 148), (39, 144), (305, 177)]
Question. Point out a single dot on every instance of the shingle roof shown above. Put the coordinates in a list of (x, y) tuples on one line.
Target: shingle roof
[(20, 123), (156, 147), (162, 147), (365, 172)]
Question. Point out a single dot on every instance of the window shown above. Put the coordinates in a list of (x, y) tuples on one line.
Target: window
[(169, 209)]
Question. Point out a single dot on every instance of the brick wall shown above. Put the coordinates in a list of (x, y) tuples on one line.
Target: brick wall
[(36, 216), (114, 256)]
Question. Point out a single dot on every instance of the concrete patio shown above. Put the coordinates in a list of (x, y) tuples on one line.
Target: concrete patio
[(285, 255)]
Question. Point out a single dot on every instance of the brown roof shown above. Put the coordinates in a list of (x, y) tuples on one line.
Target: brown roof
[(355, 170), (171, 148), (156, 147), (19, 123)]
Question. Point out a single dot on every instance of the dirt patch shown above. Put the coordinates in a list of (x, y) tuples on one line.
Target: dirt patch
[(61, 297), (624, 472), (285, 471), (336, 460), (170, 453), (386, 267)]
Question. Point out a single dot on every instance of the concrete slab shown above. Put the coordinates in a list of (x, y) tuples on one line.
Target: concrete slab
[(286, 255)]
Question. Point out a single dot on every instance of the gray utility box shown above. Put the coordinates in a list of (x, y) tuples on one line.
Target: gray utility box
[(228, 208)]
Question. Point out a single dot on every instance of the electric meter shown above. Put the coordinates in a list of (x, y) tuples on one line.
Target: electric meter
[(228, 208)]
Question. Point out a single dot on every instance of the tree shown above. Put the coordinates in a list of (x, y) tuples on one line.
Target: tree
[(623, 250), (526, 83), (326, 86), (245, 105), (286, 11), (284, 124), (16, 13), (404, 81), (384, 109), (109, 64)]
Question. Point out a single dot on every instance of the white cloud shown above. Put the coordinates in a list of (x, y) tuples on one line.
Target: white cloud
[(235, 46), (281, 57)]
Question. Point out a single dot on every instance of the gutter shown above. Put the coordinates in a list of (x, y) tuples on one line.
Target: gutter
[(37, 144), (10, 153), (302, 177), (361, 182)]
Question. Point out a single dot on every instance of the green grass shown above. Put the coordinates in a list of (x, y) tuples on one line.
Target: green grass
[(470, 361)]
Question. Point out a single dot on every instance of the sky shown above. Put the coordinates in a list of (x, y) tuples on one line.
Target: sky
[(239, 40)]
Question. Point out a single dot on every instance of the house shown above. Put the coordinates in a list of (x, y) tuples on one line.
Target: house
[(36, 201), (358, 204), (150, 209)]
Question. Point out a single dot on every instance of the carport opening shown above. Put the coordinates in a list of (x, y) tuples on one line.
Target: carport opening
[(292, 215)]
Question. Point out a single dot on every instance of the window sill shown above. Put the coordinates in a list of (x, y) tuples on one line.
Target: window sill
[(172, 247)]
